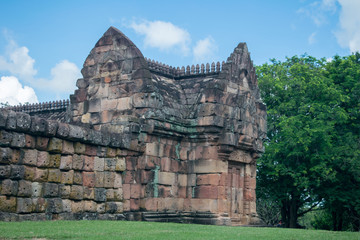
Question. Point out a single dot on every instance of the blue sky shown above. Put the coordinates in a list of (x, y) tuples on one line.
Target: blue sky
[(43, 44)]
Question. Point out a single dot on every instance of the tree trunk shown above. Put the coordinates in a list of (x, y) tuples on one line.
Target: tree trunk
[(293, 213)]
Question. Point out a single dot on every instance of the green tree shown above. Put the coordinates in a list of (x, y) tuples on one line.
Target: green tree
[(304, 107), (342, 193)]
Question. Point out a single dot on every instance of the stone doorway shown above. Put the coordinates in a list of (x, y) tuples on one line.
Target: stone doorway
[(235, 191)]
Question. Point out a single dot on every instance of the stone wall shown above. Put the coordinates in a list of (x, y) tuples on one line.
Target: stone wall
[(51, 170), (170, 144)]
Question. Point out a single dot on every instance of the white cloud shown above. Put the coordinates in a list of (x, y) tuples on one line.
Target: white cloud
[(18, 62), (349, 34), (204, 49), (311, 38), (63, 78), (12, 92), (163, 35), (318, 11)]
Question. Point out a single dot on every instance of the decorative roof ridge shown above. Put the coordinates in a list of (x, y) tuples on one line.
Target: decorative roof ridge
[(177, 72), (40, 107)]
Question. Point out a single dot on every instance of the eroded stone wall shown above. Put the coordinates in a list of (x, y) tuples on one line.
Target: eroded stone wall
[(144, 141), (51, 170)]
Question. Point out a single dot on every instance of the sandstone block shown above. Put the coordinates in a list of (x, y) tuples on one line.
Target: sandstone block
[(78, 162), (7, 204), (118, 180), (99, 179), (17, 172), (100, 208), (99, 164), (109, 178), (75, 133), (30, 141), (30, 157), (54, 160), (90, 206), (77, 192), (55, 145), (40, 205), (126, 191), (110, 164), (100, 194), (167, 178), (43, 159), (68, 147), (64, 191), (165, 164), (90, 150), (67, 177), (41, 175), (79, 148), (42, 143), (209, 166), (54, 205), (182, 180), (54, 175), (134, 204), (51, 190), (77, 206), (89, 179), (36, 189), (9, 187), (120, 164), (5, 155), (88, 164), (66, 162), (135, 190), (16, 157), (5, 138), (18, 140), (63, 130), (24, 205), (25, 189), (66, 205), (89, 193), (208, 179), (5, 171), (114, 207), (165, 191)]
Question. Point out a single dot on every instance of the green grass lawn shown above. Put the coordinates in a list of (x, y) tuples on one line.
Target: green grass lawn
[(147, 230)]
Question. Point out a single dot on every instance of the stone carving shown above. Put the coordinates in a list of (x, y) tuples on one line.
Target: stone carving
[(142, 141)]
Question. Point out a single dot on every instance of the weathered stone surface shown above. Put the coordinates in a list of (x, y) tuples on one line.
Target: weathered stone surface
[(140, 136), (51, 190), (9, 187)]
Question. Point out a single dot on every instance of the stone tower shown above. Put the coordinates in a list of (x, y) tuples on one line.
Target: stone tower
[(198, 131)]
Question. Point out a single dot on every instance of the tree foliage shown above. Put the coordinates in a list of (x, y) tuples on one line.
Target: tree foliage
[(309, 102)]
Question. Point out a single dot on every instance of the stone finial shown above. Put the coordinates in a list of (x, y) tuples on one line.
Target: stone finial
[(202, 68), (197, 69), (207, 68), (187, 70), (218, 67), (212, 67), (192, 69)]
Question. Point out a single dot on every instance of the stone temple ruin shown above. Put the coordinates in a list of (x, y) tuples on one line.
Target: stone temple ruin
[(139, 140)]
